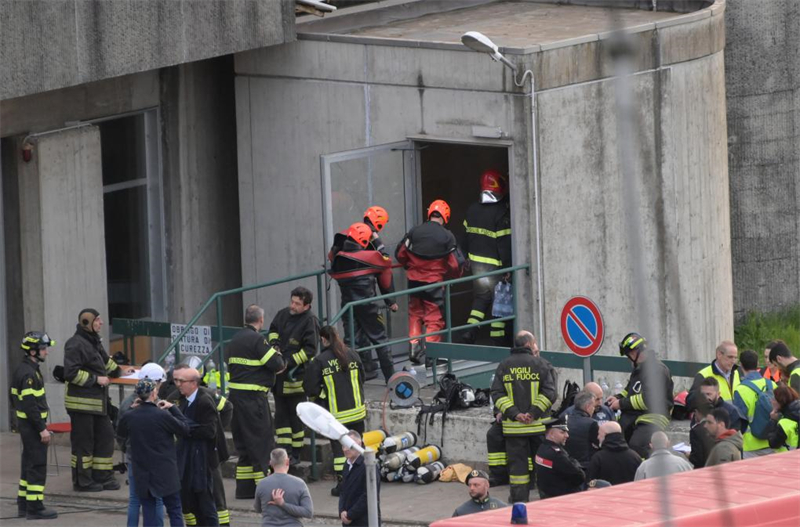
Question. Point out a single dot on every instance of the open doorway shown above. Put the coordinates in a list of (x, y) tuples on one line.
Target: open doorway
[(452, 172)]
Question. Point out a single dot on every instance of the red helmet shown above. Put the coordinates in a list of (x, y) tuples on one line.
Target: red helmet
[(360, 233), (441, 207), (494, 182), (377, 216)]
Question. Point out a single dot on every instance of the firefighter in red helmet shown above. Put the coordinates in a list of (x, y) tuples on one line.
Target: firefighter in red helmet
[(357, 267), (429, 254), (486, 244)]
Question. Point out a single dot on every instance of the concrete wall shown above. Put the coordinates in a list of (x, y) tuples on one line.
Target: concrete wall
[(320, 95), (763, 80), (51, 44)]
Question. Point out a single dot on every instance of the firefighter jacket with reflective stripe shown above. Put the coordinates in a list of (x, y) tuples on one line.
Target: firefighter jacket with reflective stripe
[(85, 360), (27, 394), (643, 396), (339, 388), (297, 337), (726, 386), (487, 236), (252, 362), (358, 270), (523, 384), (429, 254), (794, 376)]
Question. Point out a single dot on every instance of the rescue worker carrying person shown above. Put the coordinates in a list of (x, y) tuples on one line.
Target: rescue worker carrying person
[(429, 255), (87, 369), (646, 401), (357, 268), (487, 246), (335, 380), (30, 406), (523, 390), (295, 333), (252, 365)]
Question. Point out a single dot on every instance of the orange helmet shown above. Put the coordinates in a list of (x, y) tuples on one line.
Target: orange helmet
[(493, 186), (441, 207), (360, 233), (378, 216)]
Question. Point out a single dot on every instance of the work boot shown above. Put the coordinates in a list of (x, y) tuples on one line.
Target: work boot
[(417, 353), (42, 514), (22, 508), (111, 484), (469, 336), (91, 487)]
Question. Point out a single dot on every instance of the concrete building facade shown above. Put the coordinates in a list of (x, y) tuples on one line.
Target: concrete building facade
[(119, 168), (368, 96)]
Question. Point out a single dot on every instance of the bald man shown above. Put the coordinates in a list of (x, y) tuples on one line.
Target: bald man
[(615, 462), (602, 413), (198, 456)]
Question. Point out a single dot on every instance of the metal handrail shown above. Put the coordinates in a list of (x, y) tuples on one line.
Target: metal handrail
[(448, 331)]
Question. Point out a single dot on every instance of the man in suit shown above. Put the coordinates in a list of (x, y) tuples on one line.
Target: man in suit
[(353, 490), (151, 429), (198, 455)]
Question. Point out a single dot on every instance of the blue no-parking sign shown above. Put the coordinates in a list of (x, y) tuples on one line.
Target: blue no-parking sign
[(582, 326)]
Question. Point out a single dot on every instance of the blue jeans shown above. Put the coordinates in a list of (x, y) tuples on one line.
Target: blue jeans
[(174, 510), (134, 503)]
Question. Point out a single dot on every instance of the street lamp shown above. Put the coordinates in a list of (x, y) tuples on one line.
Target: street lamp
[(481, 43), (324, 423)]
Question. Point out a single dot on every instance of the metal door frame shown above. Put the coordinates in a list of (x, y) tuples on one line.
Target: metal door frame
[(410, 180)]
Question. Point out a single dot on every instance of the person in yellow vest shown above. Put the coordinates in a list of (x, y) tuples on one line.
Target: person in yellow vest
[(745, 400), (785, 420), (769, 371), (782, 357), (724, 369)]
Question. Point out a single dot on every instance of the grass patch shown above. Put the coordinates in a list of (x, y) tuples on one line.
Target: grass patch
[(760, 328)]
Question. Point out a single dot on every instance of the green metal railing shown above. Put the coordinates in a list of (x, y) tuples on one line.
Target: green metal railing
[(448, 329)]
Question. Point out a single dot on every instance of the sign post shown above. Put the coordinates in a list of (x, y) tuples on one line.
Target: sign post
[(583, 330)]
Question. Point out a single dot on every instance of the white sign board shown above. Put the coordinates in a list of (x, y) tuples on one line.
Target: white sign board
[(196, 341)]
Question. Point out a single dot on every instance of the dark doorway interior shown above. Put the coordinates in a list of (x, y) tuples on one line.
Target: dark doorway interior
[(452, 172)]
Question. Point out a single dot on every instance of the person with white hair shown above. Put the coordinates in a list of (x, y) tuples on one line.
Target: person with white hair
[(662, 462)]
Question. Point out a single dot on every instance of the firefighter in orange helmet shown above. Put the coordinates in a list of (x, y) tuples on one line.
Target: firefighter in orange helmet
[(358, 267)]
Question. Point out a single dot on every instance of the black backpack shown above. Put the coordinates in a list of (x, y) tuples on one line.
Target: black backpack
[(571, 389)]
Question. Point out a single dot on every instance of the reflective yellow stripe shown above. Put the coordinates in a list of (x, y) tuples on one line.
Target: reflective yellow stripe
[(35, 488), (221, 404), (519, 480), (349, 416), (282, 431), (637, 401), (111, 365), (333, 404), (301, 433), (28, 391), (284, 440), (291, 387), (483, 259), (253, 362), (273, 336), (623, 393), (501, 333), (656, 419), (356, 387), (477, 314), (81, 378), (300, 357), (486, 232), (83, 403), (23, 415), (543, 402), (248, 387), (224, 516)]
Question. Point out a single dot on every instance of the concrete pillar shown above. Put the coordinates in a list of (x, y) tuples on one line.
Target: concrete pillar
[(62, 240)]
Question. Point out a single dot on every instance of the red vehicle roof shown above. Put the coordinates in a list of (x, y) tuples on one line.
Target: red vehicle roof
[(764, 491)]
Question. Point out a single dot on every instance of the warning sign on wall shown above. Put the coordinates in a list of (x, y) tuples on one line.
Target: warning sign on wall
[(196, 341)]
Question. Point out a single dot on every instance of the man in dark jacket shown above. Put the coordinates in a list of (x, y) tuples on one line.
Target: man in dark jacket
[(353, 508), (429, 255), (615, 462), (523, 390), (294, 332), (150, 429), (87, 368), (486, 245), (198, 454), (358, 268), (707, 401), (557, 473), (583, 429)]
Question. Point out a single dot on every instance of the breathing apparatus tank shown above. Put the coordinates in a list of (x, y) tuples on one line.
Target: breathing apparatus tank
[(424, 456)]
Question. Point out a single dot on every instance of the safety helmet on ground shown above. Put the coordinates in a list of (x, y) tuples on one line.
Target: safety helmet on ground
[(35, 340), (631, 342), (494, 186), (442, 208), (360, 233), (377, 216)]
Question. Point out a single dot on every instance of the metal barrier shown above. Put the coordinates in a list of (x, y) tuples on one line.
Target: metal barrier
[(448, 329), (559, 359)]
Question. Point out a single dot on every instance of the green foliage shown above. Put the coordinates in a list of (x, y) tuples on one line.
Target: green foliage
[(759, 328)]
